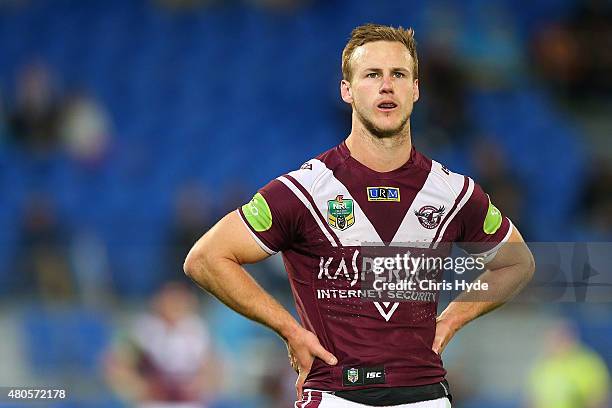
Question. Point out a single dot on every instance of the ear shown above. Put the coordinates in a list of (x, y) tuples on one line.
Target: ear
[(415, 90), (345, 91)]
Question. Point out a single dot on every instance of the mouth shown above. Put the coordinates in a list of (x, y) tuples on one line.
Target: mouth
[(386, 106)]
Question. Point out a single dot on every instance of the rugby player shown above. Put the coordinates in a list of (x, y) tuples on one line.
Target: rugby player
[(372, 188)]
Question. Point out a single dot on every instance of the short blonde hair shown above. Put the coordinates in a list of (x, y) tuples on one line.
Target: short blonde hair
[(375, 32)]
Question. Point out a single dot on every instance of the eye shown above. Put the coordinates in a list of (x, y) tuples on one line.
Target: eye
[(398, 74), (372, 75)]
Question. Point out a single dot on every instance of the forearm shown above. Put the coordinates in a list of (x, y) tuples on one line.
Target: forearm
[(124, 378), (503, 284), (228, 281)]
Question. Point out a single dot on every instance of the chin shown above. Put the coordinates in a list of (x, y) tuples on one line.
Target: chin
[(385, 132), (390, 129), (384, 127)]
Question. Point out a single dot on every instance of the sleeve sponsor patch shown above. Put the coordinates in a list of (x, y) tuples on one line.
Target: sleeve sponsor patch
[(493, 220), (257, 212)]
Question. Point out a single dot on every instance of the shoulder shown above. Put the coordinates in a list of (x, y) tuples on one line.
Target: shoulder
[(145, 328), (313, 170), (455, 184), (291, 193), (299, 184)]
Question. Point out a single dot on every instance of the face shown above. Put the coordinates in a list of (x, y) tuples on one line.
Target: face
[(381, 90), (174, 302)]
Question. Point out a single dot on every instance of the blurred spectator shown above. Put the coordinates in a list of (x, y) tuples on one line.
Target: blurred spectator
[(42, 258), (570, 375), (90, 263), (442, 101), (3, 120), (165, 359), (34, 120), (491, 46), (85, 128), (596, 211), (192, 218), (593, 25), (492, 171), (568, 57), (556, 53)]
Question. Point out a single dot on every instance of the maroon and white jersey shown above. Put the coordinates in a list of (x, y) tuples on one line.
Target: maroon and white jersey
[(322, 215)]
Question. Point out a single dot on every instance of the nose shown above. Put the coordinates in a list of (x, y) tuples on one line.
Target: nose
[(387, 85)]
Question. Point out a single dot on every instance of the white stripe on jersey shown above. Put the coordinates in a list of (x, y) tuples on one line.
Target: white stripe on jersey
[(259, 241), (464, 200), (490, 254), (306, 203), (323, 186), (439, 190)]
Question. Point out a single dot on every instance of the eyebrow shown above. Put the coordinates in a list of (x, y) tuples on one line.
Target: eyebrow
[(392, 69)]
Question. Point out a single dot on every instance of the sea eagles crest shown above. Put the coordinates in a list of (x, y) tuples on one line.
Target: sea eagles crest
[(430, 216)]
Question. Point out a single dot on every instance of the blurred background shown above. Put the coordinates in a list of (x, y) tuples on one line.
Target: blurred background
[(128, 127)]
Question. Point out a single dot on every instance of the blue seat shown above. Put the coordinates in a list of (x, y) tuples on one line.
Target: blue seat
[(66, 339), (534, 145)]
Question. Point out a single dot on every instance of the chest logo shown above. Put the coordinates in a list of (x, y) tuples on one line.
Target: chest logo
[(383, 194), (340, 213), (430, 216)]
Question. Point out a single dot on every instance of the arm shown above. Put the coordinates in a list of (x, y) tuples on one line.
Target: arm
[(214, 264), (121, 372), (510, 270), (207, 380)]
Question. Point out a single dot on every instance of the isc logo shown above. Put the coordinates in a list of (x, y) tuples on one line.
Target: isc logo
[(363, 375)]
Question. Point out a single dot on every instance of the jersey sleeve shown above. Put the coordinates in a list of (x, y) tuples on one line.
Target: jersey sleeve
[(482, 227), (273, 217)]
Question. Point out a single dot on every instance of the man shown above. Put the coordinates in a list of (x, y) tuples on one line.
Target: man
[(165, 360), (568, 374), (375, 188)]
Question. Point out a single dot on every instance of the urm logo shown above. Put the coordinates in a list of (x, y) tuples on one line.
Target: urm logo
[(383, 194)]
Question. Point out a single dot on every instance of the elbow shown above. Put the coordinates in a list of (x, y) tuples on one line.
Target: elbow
[(189, 265), (196, 263), (530, 266)]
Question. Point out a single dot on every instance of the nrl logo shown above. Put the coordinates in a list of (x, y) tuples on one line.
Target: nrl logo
[(352, 375), (430, 216), (340, 213)]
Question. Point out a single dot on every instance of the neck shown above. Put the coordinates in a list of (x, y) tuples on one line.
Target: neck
[(379, 154)]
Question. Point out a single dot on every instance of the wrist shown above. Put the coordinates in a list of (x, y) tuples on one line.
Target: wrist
[(454, 322), (289, 331)]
